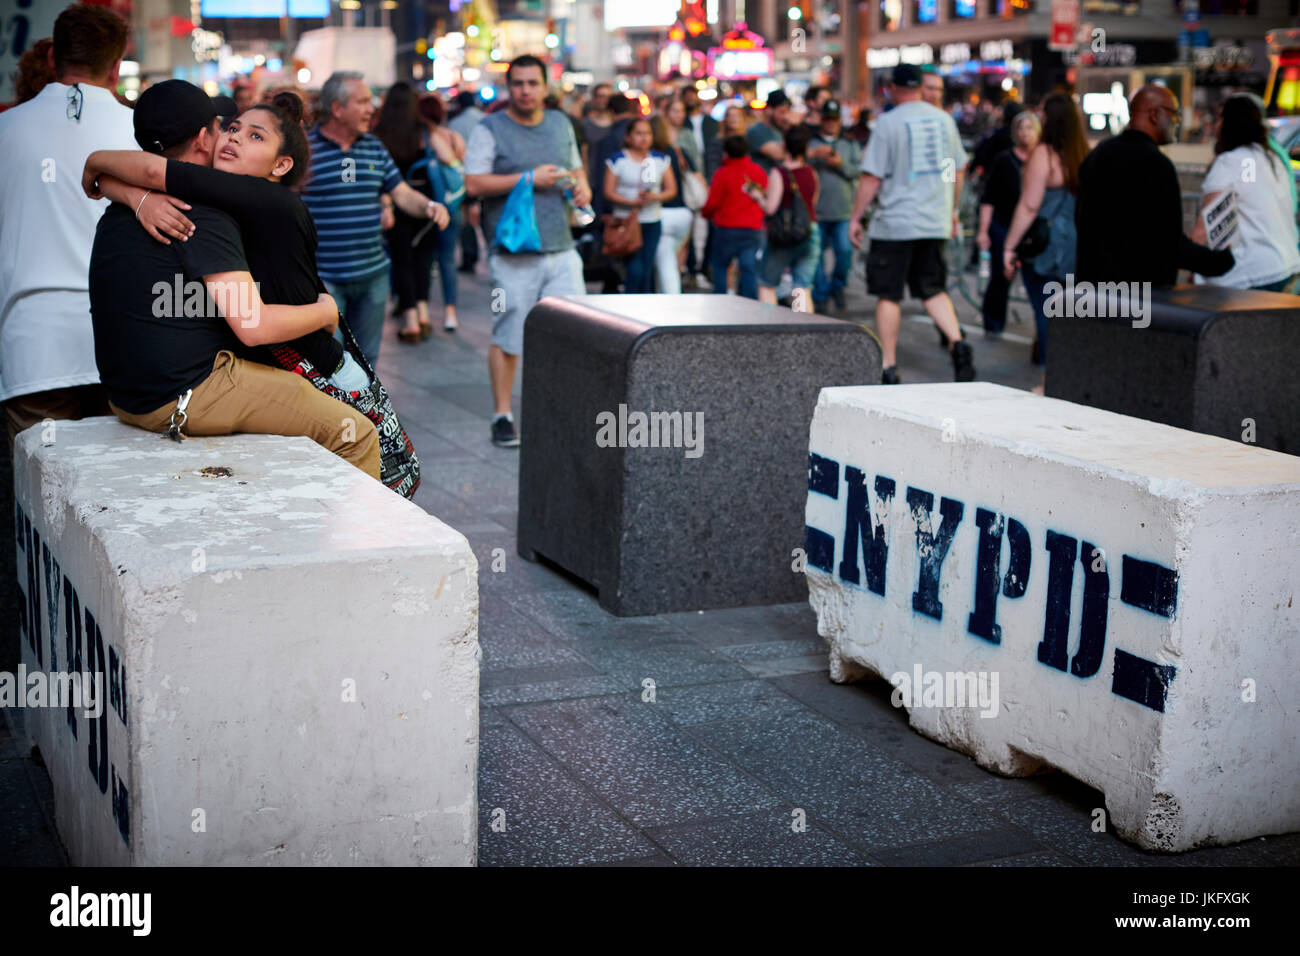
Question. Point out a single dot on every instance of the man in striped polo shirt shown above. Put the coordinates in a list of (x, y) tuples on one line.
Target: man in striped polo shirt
[(350, 172)]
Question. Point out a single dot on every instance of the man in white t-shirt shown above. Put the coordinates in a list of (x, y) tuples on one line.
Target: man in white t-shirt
[(47, 225), (913, 164)]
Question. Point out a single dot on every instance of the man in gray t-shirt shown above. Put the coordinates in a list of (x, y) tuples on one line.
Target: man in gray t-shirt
[(503, 147), (913, 165)]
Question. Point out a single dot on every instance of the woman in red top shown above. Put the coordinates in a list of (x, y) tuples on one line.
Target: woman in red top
[(794, 177)]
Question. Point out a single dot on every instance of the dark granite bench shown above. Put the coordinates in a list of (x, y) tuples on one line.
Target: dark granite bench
[(1211, 359), (711, 520)]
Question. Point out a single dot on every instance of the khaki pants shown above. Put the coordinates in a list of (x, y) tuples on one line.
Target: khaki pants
[(24, 411), (243, 396)]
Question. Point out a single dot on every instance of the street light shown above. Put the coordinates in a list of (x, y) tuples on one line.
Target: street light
[(794, 13)]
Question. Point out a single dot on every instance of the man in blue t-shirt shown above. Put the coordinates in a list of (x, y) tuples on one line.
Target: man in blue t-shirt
[(351, 174)]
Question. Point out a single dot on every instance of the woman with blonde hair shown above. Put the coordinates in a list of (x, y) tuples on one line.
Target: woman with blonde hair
[(1045, 213)]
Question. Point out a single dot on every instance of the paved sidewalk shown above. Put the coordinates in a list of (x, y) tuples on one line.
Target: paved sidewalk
[(746, 728)]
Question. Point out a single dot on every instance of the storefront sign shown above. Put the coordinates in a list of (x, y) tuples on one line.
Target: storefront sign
[(1065, 20), (997, 50), (919, 55), (741, 64), (954, 53), (1114, 54)]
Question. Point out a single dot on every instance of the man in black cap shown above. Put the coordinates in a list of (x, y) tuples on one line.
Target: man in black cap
[(174, 324), (837, 161), (767, 137), (913, 165)]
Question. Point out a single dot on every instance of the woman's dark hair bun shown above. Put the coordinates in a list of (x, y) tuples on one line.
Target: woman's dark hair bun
[(290, 104)]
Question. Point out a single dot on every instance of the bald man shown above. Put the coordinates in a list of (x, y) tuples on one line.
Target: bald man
[(1129, 209)]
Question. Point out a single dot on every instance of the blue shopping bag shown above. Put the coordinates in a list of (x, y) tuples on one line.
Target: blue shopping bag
[(517, 228)]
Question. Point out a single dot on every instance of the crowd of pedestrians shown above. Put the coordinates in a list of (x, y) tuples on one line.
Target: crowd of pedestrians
[(336, 206)]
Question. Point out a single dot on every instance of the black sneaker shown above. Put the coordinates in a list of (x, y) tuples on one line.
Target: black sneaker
[(944, 341), (504, 434), (963, 367), (889, 376), (838, 299)]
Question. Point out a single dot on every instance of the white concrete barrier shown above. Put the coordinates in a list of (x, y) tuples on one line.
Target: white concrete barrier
[(287, 656), (1050, 584)]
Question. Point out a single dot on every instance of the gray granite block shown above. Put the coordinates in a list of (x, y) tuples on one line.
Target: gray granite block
[(863, 795), (654, 774), (550, 819), (694, 525), (1211, 358), (962, 850), (755, 839)]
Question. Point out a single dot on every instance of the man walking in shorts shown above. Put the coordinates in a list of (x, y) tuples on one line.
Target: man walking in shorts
[(503, 148), (913, 165)]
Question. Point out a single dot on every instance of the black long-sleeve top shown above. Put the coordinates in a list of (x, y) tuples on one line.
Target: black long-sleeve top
[(1129, 216), (279, 240), (1002, 186)]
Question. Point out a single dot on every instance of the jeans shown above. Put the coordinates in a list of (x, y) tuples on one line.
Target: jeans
[(676, 228), (835, 236), (1034, 285), (743, 246), (362, 303), (641, 264), (445, 256), (999, 287)]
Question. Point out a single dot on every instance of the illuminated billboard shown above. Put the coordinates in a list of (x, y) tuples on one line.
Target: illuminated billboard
[(319, 9), (635, 14)]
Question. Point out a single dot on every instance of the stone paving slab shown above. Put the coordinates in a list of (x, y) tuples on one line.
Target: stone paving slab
[(755, 839), (652, 773), (549, 819)]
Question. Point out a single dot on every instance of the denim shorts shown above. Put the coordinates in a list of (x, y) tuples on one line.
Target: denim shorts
[(801, 260)]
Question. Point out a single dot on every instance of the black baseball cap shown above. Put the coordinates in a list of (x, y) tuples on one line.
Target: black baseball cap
[(830, 108), (907, 75), (169, 113), (777, 98), (225, 107)]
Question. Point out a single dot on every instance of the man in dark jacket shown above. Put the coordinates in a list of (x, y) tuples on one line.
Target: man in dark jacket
[(1129, 208)]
